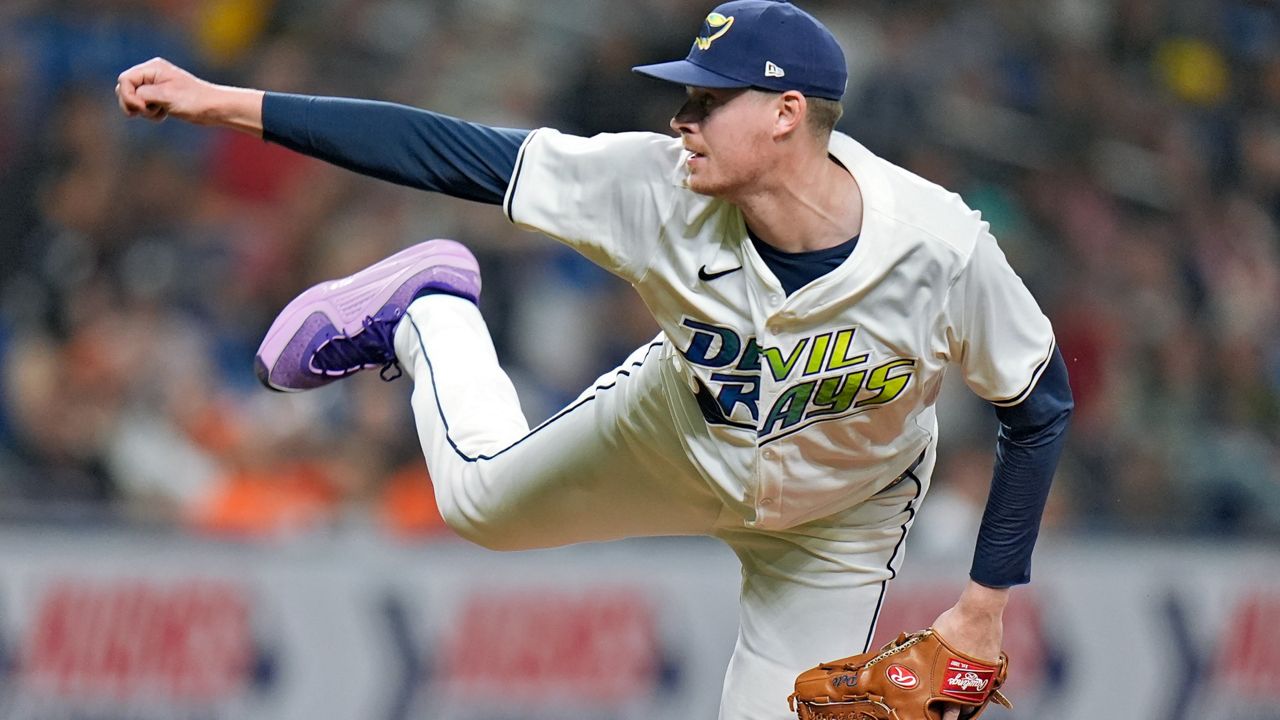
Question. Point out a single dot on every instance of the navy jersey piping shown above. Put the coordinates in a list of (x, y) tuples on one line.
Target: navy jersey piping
[(621, 371), (893, 573), (510, 200), (1035, 378)]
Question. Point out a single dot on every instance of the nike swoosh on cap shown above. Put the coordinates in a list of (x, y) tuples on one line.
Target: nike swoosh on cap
[(705, 276)]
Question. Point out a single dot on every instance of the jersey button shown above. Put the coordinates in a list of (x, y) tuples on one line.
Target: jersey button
[(766, 501), (769, 454), (775, 298), (774, 330)]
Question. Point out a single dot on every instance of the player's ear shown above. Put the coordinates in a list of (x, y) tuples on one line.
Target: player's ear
[(792, 108)]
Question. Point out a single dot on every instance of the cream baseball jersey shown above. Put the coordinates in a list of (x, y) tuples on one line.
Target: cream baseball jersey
[(811, 402)]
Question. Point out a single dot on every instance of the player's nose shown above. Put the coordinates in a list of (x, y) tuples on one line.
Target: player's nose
[(686, 117)]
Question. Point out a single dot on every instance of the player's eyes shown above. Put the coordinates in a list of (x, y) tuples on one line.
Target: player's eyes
[(700, 105)]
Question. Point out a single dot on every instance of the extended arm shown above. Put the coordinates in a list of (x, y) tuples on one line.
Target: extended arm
[(392, 142), (400, 144), (157, 89)]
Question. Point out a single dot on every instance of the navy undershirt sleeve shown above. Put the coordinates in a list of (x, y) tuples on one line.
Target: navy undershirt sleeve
[(403, 145), (1030, 440)]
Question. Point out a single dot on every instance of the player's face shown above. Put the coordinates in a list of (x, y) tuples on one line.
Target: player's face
[(728, 134)]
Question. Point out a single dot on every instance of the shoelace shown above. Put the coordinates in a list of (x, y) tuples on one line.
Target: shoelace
[(373, 345)]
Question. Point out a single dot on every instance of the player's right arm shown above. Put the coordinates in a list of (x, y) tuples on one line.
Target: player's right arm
[(604, 196), (400, 144), (157, 89)]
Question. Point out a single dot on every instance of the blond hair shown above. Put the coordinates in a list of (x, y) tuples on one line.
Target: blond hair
[(823, 115)]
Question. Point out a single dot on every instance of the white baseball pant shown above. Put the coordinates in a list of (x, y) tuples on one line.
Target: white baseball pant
[(610, 465)]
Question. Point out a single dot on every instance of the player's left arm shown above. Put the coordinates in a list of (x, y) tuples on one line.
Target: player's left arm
[(1028, 445), (1005, 347)]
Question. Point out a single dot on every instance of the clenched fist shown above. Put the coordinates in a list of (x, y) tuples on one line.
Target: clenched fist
[(157, 89)]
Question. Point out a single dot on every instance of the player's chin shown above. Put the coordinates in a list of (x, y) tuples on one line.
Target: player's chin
[(705, 184)]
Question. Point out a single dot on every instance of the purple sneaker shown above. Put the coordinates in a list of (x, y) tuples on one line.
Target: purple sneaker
[(341, 327)]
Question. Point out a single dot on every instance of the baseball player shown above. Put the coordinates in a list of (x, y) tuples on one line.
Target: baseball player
[(810, 296)]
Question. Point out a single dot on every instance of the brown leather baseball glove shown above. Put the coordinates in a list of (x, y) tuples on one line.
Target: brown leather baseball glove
[(915, 677)]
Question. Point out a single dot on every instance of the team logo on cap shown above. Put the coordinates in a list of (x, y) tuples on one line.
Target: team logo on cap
[(714, 20)]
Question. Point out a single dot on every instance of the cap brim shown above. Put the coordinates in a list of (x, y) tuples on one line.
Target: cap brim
[(683, 72)]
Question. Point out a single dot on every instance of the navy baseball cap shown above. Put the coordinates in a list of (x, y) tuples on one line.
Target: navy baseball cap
[(767, 44)]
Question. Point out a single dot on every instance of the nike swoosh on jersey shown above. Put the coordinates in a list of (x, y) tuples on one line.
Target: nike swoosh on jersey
[(705, 276)]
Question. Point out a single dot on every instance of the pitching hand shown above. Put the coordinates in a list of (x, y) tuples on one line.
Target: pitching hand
[(157, 89)]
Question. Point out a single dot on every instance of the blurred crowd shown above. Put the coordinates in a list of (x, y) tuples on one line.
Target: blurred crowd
[(1126, 153)]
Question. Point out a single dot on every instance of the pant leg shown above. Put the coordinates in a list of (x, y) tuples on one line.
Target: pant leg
[(608, 466), (812, 594)]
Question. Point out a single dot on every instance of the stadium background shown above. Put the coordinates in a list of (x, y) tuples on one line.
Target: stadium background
[(1126, 153)]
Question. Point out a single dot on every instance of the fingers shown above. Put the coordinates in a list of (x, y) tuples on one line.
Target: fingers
[(133, 105), (127, 89), (127, 98), (154, 105), (120, 100), (951, 714), (136, 90)]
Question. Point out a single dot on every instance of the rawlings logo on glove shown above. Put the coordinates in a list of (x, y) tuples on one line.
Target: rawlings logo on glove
[(915, 677)]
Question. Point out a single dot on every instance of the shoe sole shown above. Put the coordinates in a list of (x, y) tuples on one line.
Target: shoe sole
[(344, 304)]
